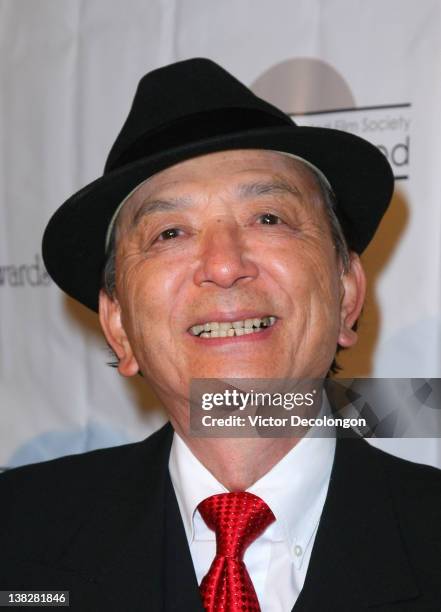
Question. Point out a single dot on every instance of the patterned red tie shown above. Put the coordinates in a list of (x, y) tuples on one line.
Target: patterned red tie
[(238, 519)]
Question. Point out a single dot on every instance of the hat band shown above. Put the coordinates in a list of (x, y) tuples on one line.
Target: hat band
[(196, 127)]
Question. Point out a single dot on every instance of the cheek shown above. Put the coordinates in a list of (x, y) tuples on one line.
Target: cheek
[(305, 273), (149, 300), (308, 283)]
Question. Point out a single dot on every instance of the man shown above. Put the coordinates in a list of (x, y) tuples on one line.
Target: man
[(214, 248)]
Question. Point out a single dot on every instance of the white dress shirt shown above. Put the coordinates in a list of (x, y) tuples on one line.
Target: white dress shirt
[(295, 489)]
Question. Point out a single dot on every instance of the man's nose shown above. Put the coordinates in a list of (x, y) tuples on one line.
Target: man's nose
[(224, 258)]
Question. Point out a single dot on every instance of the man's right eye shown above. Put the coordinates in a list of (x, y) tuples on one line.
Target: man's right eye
[(270, 219)]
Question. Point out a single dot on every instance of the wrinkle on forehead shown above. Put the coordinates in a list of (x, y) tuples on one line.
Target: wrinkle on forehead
[(151, 196)]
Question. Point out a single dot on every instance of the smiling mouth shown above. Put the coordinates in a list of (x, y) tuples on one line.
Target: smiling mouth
[(227, 329)]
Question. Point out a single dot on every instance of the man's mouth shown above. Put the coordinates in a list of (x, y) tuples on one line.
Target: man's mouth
[(229, 329)]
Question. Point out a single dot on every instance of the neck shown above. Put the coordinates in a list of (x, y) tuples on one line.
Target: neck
[(237, 463)]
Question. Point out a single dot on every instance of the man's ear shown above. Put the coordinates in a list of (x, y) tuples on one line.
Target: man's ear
[(110, 320), (353, 294)]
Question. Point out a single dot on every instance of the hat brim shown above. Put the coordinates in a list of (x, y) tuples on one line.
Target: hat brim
[(361, 177)]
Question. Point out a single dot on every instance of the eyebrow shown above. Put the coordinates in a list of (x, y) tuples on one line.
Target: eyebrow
[(244, 191), (148, 207), (272, 187)]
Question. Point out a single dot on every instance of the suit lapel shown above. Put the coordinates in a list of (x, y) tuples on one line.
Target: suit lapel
[(358, 560)]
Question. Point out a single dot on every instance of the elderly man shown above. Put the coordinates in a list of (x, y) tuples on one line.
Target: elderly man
[(214, 248)]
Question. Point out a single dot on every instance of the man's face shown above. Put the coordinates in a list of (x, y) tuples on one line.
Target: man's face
[(225, 238)]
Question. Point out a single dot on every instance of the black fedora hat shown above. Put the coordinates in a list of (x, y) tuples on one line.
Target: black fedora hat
[(192, 108)]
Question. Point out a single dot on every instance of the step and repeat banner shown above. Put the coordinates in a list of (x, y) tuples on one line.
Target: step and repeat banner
[(69, 70)]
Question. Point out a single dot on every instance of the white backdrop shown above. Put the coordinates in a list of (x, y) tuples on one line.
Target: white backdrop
[(69, 69)]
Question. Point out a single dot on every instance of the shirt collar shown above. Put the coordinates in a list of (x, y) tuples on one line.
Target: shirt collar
[(295, 488), (191, 481)]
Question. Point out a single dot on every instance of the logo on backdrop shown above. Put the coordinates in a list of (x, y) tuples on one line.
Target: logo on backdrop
[(32, 274), (313, 93)]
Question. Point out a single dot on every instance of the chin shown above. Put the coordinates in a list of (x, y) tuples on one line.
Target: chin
[(238, 371)]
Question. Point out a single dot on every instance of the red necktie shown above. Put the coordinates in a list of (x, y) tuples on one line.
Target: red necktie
[(238, 519)]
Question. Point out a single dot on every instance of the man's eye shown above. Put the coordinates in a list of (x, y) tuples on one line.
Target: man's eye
[(269, 219), (168, 234)]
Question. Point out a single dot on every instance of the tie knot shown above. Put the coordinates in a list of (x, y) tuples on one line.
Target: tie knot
[(237, 518)]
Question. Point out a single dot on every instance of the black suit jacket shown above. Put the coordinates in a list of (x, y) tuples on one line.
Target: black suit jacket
[(106, 526)]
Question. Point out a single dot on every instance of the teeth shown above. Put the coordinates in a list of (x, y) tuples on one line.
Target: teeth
[(226, 329)]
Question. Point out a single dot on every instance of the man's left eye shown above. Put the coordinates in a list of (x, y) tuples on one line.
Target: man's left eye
[(269, 219), (168, 234)]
